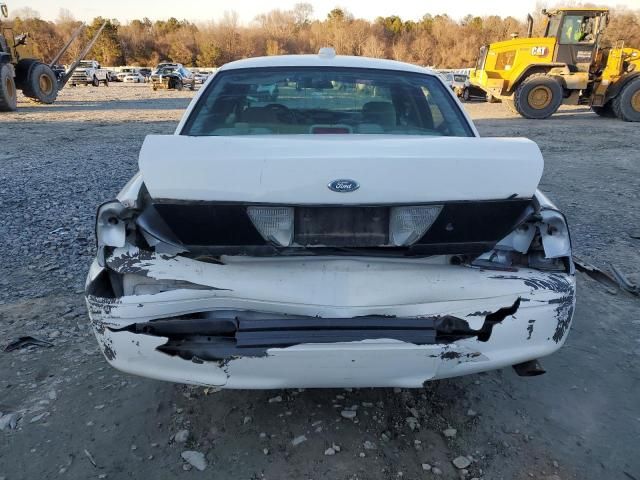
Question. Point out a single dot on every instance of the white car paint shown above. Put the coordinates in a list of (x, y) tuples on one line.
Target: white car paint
[(297, 168), (133, 78), (283, 169)]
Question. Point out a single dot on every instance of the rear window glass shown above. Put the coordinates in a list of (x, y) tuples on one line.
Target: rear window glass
[(311, 100)]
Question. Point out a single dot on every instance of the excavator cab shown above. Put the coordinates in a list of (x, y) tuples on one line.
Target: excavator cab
[(577, 33)]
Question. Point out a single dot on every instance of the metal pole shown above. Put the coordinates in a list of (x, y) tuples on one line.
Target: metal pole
[(64, 49), (84, 52)]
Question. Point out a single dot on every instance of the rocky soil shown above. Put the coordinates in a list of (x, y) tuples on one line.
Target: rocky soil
[(66, 414)]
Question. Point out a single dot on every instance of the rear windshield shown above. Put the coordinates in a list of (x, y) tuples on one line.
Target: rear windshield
[(313, 100)]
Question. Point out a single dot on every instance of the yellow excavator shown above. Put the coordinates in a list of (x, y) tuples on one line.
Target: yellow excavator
[(534, 76)]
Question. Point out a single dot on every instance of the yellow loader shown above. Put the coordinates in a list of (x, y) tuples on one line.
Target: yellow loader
[(534, 76)]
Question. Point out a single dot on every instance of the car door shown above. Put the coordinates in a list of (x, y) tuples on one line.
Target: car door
[(187, 77)]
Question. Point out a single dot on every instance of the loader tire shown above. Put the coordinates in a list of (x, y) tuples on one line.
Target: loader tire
[(626, 105), (605, 111), (41, 84), (23, 67), (510, 105), (8, 92), (538, 96)]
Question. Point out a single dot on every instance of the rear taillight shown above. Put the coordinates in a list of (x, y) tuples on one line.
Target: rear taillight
[(275, 224), (111, 225), (408, 224), (348, 226)]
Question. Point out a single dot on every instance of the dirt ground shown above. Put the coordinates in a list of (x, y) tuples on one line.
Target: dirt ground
[(74, 417)]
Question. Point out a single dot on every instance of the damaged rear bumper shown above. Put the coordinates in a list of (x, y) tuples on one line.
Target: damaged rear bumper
[(321, 321)]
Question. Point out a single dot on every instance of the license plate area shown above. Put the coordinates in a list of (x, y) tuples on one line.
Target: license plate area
[(342, 226)]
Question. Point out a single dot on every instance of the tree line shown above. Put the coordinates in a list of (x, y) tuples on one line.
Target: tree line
[(434, 40)]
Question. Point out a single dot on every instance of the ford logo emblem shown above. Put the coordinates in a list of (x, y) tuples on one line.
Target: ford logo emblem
[(343, 185)]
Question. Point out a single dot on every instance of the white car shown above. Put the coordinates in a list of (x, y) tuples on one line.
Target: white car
[(447, 77), (133, 78), (362, 236), (200, 77)]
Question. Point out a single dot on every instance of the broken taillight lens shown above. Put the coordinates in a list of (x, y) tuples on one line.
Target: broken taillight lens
[(111, 228), (275, 224), (408, 224)]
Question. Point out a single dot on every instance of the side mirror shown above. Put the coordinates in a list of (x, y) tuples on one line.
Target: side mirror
[(4, 10)]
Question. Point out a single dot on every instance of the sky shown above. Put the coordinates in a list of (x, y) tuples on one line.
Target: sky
[(195, 10)]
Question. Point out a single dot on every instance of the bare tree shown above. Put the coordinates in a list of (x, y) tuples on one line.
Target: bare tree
[(433, 40)]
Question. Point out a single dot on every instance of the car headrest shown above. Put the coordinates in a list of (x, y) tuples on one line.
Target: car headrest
[(382, 113)]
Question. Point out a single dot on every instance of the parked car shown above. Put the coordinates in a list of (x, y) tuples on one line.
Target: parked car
[(59, 71), (465, 90), (200, 77), (112, 76), (341, 237), (126, 71), (89, 72), (458, 83), (172, 76), (447, 77), (133, 78)]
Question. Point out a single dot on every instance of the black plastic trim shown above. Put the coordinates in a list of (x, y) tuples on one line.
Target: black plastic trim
[(464, 227), (200, 337)]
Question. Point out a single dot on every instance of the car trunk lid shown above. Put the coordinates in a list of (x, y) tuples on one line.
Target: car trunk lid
[(252, 195), (298, 169)]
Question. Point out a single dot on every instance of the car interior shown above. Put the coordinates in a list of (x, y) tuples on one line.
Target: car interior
[(333, 105)]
